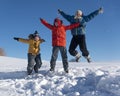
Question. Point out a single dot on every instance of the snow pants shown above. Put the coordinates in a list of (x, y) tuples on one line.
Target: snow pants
[(78, 40), (54, 56), (34, 62)]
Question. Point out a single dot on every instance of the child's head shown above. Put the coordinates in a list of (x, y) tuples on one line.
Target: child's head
[(36, 36), (78, 14), (57, 22), (31, 36)]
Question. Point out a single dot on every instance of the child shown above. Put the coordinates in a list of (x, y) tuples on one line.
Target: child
[(59, 41), (78, 33), (34, 58)]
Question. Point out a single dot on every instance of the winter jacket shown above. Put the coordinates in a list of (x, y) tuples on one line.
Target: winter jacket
[(34, 46), (59, 32), (81, 29)]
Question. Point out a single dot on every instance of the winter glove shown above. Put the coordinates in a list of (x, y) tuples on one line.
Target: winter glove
[(15, 38), (101, 10), (41, 19), (42, 40), (59, 11)]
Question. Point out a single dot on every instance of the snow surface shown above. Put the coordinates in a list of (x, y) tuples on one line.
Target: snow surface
[(83, 79)]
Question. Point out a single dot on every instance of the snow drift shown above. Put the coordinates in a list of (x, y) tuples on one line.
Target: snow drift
[(83, 79)]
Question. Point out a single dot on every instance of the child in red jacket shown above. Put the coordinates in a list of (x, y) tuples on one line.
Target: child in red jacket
[(59, 41)]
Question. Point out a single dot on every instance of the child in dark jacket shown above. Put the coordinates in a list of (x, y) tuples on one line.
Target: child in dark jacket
[(79, 32), (59, 41), (34, 56)]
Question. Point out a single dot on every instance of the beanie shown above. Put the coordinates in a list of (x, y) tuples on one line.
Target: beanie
[(78, 12), (36, 33)]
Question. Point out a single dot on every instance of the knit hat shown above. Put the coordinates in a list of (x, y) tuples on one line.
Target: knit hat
[(78, 12), (36, 33), (58, 21)]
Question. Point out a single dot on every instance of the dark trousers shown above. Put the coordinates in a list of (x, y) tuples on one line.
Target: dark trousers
[(33, 61), (54, 56), (78, 40)]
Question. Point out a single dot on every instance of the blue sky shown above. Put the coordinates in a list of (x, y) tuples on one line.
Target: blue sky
[(19, 18)]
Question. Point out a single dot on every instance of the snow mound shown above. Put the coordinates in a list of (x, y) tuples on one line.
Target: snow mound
[(83, 79)]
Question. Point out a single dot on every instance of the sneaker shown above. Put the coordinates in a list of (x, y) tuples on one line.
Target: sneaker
[(77, 57), (88, 59)]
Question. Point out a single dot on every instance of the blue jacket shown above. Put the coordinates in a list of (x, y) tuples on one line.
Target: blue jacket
[(81, 29)]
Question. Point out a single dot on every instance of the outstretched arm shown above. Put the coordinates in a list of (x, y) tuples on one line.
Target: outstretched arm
[(66, 16), (93, 14), (42, 40), (21, 40), (46, 24), (72, 26)]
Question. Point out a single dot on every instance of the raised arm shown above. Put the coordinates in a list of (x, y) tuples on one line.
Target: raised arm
[(66, 16), (46, 24), (72, 26), (93, 14)]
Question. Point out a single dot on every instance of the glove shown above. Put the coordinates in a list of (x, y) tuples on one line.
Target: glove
[(59, 10), (101, 10), (42, 40), (41, 19), (15, 38)]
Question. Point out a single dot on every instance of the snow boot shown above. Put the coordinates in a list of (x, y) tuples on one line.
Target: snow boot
[(77, 57), (51, 69), (35, 69), (29, 72), (66, 71)]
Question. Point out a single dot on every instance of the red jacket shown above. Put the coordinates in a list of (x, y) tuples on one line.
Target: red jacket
[(59, 31)]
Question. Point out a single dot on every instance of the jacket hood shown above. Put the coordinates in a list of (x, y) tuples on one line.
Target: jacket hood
[(57, 22)]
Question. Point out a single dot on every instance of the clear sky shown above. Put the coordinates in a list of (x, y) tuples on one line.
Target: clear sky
[(19, 18)]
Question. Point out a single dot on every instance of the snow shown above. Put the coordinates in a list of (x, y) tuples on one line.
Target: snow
[(83, 79)]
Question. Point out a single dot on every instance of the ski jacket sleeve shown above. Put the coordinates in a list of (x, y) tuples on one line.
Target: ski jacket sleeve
[(69, 18), (46, 24), (72, 26), (24, 40), (91, 15), (42, 40)]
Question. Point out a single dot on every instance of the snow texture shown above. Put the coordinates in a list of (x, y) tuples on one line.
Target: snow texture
[(83, 79)]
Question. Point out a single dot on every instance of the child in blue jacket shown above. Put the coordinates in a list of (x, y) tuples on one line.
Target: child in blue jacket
[(79, 32)]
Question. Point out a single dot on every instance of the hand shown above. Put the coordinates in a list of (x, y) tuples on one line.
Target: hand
[(101, 10), (41, 19), (42, 40), (15, 38), (59, 10)]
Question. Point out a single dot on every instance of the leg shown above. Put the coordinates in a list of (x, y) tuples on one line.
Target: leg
[(54, 57), (82, 45), (38, 63), (83, 48), (73, 46), (30, 63), (63, 52)]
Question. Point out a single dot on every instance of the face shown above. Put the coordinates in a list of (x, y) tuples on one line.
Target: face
[(57, 22), (78, 13), (37, 38)]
